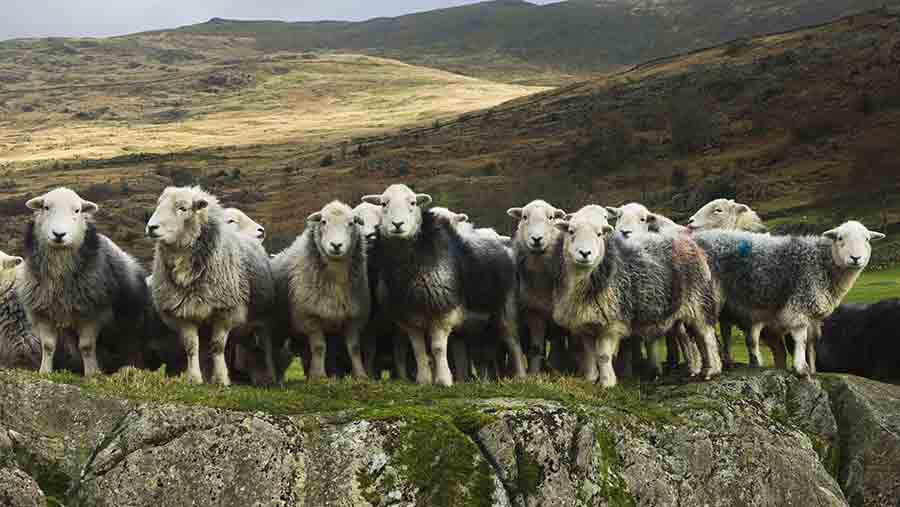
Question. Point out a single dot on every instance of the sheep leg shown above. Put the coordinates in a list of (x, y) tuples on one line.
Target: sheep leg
[(537, 345), (440, 335), (799, 334), (400, 359), (190, 338), (725, 327), (217, 343), (353, 349), (814, 333), (47, 334), (461, 365), (673, 352), (264, 342), (653, 359), (779, 351), (420, 351), (369, 352), (705, 337), (509, 333), (589, 361), (317, 349), (753, 345), (691, 352), (87, 345), (605, 349)]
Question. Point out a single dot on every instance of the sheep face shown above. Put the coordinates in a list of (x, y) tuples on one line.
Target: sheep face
[(8, 262), (585, 236), (401, 211), (536, 229), (240, 222), (61, 217), (454, 218), (850, 245), (634, 218), (370, 218), (335, 230), (179, 214), (718, 214)]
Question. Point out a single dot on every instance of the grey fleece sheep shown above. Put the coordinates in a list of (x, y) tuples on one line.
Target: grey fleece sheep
[(323, 279), (207, 274), (19, 347), (78, 280), (610, 288), (534, 244), (430, 279), (789, 284)]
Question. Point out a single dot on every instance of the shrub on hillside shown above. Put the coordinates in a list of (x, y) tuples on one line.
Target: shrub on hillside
[(691, 123)]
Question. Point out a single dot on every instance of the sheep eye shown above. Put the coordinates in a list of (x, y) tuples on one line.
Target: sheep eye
[(718, 211), (643, 220), (77, 211), (412, 203), (232, 221), (46, 208), (572, 232)]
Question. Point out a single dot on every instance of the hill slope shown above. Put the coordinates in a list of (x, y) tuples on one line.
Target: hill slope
[(803, 126), (513, 39)]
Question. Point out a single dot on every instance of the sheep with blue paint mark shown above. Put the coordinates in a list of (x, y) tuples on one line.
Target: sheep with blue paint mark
[(788, 284)]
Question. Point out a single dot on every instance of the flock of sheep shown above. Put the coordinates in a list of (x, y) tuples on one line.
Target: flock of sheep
[(364, 290)]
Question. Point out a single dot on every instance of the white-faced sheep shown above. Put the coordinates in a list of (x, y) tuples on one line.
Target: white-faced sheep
[(635, 218), (205, 274), (534, 244), (78, 280), (323, 278), (728, 215), (430, 278), (788, 284), (243, 224), (19, 347), (610, 288)]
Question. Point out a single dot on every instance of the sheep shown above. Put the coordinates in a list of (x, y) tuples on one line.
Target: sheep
[(727, 215), (789, 284), (324, 279), (635, 218), (243, 224), (534, 243), (75, 279), (205, 274), (861, 339), (465, 227), (19, 347), (430, 279), (610, 288)]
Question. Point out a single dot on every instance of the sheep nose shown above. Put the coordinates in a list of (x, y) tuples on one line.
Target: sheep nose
[(151, 230), (372, 235), (626, 234), (262, 232), (537, 240), (336, 246), (397, 225), (855, 259), (58, 236), (585, 253)]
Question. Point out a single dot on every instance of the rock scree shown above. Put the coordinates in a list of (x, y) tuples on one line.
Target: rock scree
[(747, 439)]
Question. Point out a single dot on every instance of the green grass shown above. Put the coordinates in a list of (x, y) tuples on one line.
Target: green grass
[(874, 286)]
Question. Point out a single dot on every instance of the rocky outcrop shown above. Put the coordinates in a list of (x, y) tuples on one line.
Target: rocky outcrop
[(755, 439)]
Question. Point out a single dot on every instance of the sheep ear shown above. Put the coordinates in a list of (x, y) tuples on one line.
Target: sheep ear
[(652, 223), (358, 220), (462, 217), (373, 199), (423, 199), (199, 204), (517, 213), (832, 234), (562, 225), (651, 218), (36, 203), (89, 207), (568, 216), (11, 262), (742, 208), (315, 217), (612, 210), (875, 236), (559, 214)]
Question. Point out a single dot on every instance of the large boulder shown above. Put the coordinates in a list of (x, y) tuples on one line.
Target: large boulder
[(748, 439)]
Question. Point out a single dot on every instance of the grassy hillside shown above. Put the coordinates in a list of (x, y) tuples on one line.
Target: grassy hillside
[(517, 40), (803, 126)]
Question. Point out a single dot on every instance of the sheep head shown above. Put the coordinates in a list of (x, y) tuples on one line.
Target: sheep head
[(536, 230), (585, 236), (401, 210), (240, 222), (61, 217), (335, 230), (851, 245), (180, 213)]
